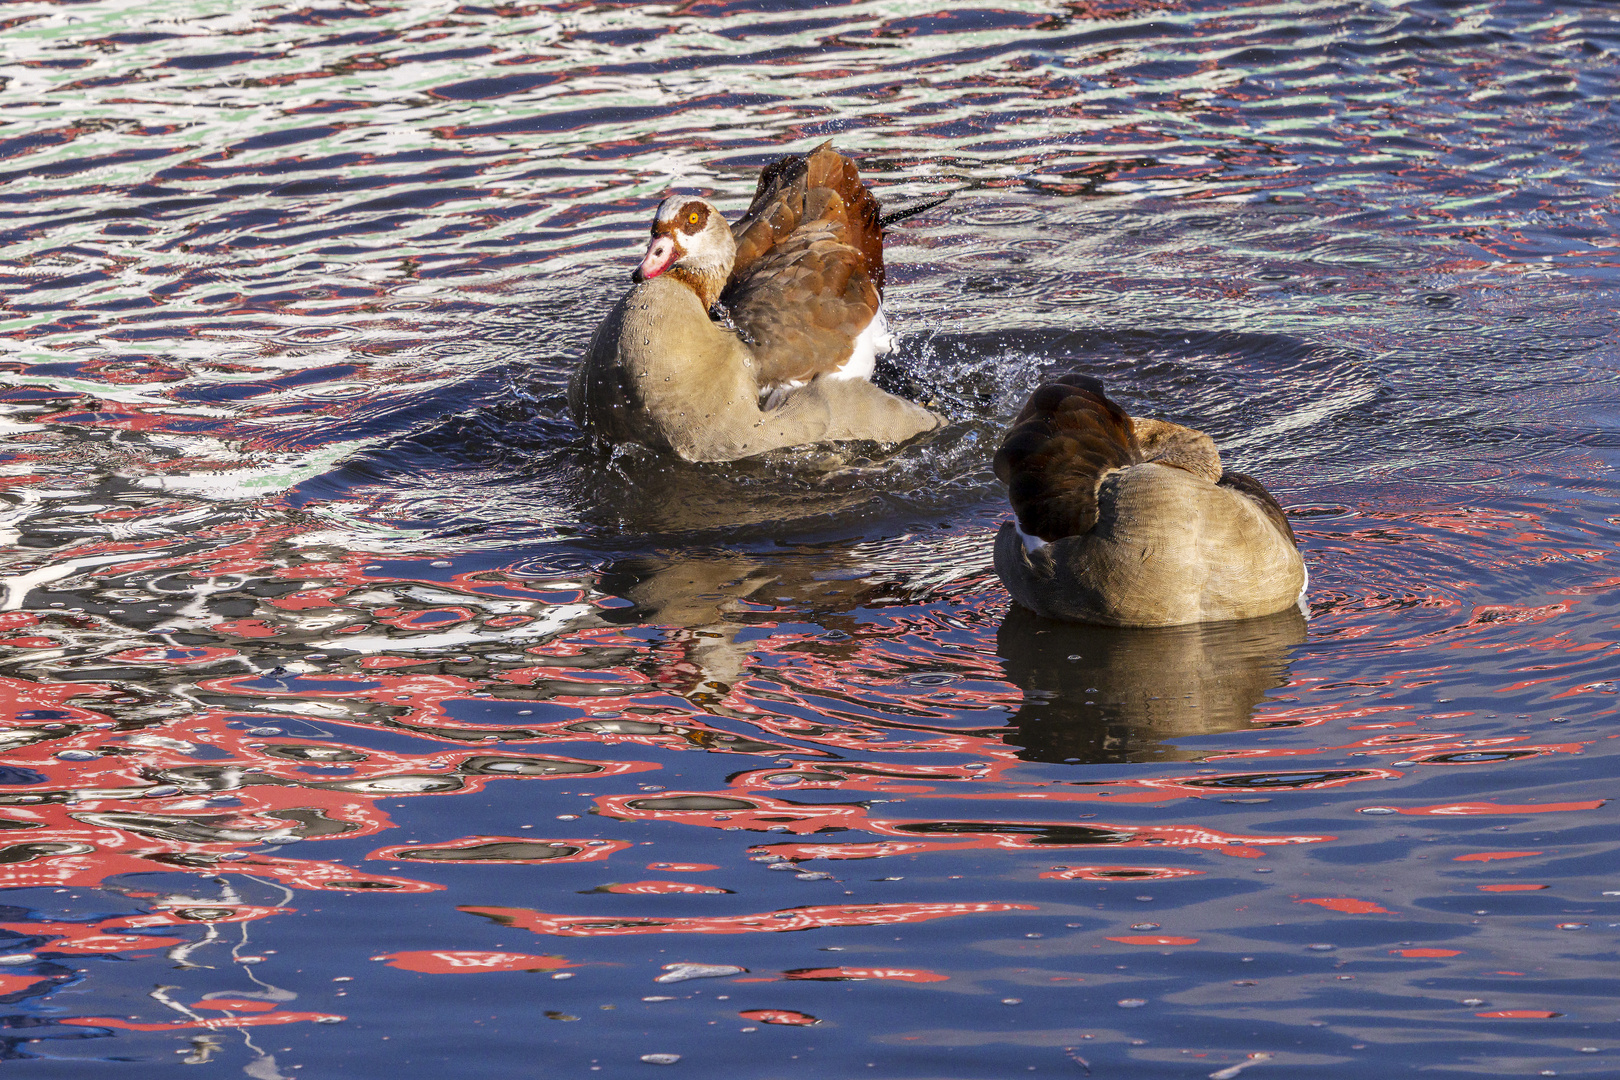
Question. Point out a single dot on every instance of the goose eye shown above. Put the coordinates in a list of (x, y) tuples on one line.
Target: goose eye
[(692, 218)]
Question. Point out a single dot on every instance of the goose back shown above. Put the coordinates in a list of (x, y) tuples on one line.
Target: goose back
[(1133, 522)]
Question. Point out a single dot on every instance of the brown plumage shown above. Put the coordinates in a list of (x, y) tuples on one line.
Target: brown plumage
[(800, 277), (1134, 522), (808, 275)]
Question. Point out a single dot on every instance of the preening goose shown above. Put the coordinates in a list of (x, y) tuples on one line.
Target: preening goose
[(740, 340), (1128, 522)]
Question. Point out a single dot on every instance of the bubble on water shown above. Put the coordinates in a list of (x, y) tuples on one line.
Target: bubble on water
[(1145, 926), (1378, 810), (813, 875), (1012, 1001), (160, 791), (264, 731), (1131, 1003), (1321, 947), (76, 755), (660, 1059), (1572, 926), (1473, 1001)]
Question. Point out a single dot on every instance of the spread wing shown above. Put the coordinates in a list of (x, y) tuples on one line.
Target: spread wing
[(808, 276)]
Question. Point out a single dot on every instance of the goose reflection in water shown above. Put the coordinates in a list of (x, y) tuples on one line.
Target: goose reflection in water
[(1097, 693), (704, 600)]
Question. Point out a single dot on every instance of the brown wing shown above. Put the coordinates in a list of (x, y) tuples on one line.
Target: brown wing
[(1064, 441), (804, 303), (808, 276), (785, 200)]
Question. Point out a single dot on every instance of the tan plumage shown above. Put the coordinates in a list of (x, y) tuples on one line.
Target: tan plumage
[(1128, 522), (800, 276)]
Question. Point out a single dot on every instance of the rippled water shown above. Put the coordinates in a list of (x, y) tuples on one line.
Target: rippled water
[(358, 718)]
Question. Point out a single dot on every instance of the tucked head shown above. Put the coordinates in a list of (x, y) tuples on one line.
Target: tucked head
[(691, 241)]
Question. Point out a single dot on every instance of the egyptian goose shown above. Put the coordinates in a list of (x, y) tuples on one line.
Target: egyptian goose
[(1128, 522), (785, 360)]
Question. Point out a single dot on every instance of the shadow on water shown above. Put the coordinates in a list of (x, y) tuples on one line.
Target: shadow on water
[(1097, 693)]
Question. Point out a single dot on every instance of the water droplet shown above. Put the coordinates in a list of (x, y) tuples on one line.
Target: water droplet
[(1572, 926), (660, 1059), (1378, 810), (264, 731), (1145, 926), (1131, 1003), (1321, 948), (1012, 1001), (76, 755)]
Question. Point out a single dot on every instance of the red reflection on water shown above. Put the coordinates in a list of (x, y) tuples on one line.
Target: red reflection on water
[(779, 1016), (1116, 873), (86, 847), (1472, 808), (12, 984), (760, 813), (1165, 789), (1154, 939), (1425, 954), (654, 888), (682, 867), (461, 961), (1408, 744), (1489, 856), (209, 1024), (234, 1004), (83, 938), (1519, 1014), (1346, 905), (856, 974), (1510, 888), (503, 849), (803, 918)]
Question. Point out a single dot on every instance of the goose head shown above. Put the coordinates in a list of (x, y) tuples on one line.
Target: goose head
[(692, 243)]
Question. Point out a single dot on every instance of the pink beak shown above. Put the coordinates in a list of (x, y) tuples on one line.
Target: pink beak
[(661, 255)]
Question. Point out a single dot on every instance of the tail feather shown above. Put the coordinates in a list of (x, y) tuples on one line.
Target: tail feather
[(912, 209)]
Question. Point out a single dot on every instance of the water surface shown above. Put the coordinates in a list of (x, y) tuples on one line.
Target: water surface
[(360, 717)]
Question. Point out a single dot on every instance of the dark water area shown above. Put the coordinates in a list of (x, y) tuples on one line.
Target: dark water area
[(358, 718)]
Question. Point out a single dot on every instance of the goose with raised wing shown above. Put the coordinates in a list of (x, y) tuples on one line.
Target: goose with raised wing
[(1134, 522), (738, 340)]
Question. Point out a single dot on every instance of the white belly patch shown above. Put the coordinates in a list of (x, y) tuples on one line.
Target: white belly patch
[(870, 344)]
